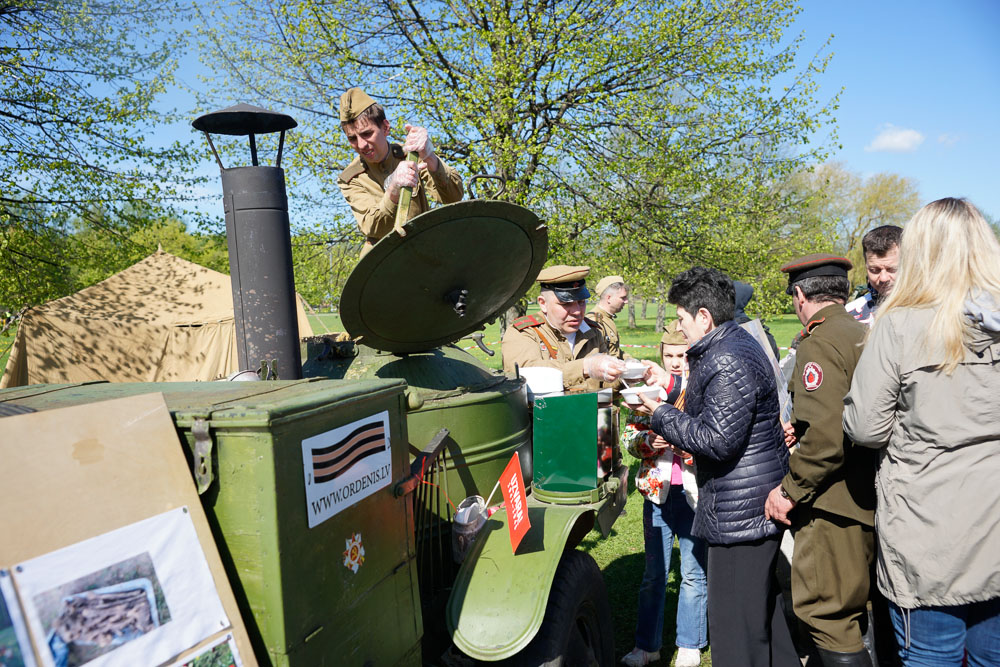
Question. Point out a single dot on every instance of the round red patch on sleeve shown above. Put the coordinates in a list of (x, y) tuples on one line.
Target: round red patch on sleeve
[(812, 376)]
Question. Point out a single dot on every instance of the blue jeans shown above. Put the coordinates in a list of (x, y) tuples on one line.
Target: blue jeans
[(939, 635), (659, 525)]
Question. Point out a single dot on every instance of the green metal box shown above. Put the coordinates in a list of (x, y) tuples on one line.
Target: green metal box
[(310, 596), (564, 439)]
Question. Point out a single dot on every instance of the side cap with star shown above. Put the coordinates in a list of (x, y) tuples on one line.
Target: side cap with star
[(672, 335), (352, 103), (816, 264)]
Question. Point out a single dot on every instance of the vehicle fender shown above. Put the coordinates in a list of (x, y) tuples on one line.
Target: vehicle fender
[(499, 598)]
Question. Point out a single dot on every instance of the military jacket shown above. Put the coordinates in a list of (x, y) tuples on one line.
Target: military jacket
[(606, 323), (828, 470), (531, 341), (362, 186)]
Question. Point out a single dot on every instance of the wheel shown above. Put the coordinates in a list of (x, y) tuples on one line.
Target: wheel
[(577, 626)]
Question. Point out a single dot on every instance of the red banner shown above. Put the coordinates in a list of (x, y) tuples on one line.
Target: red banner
[(515, 501)]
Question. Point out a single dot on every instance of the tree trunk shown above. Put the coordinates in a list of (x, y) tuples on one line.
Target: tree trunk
[(645, 302), (631, 315), (661, 308)]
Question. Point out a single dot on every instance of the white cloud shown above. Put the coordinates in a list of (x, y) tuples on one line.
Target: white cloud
[(948, 140), (894, 139)]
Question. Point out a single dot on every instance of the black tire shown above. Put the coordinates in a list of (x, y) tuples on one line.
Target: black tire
[(577, 629)]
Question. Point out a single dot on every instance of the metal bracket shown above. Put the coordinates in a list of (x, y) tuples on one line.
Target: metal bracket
[(458, 298), (268, 373), (202, 466)]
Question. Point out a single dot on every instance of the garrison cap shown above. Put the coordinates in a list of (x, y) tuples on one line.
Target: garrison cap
[(567, 282), (672, 335), (606, 283), (816, 264), (352, 103)]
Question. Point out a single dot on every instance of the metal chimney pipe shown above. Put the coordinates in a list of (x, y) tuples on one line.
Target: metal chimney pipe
[(260, 250)]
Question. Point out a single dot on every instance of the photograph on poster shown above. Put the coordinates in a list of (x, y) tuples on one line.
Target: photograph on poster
[(15, 648), (222, 653), (93, 615), (140, 593)]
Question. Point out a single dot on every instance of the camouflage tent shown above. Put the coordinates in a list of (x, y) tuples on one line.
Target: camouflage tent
[(163, 319)]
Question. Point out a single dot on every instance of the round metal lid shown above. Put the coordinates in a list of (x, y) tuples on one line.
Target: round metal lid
[(243, 119), (458, 267)]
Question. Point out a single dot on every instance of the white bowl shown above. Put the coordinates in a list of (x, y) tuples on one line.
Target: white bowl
[(542, 380), (631, 395), (633, 370)]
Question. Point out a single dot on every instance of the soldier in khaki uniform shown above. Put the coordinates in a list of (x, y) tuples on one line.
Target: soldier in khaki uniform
[(371, 183), (612, 294), (561, 337), (828, 495)]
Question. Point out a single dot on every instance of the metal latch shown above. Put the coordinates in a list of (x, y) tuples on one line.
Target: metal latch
[(202, 466)]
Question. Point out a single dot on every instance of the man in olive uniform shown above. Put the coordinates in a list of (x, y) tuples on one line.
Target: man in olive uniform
[(828, 495), (561, 337), (612, 295), (371, 184)]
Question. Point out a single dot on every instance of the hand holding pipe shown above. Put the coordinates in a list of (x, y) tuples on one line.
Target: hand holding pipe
[(405, 194)]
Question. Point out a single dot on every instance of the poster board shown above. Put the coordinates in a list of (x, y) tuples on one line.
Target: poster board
[(93, 479)]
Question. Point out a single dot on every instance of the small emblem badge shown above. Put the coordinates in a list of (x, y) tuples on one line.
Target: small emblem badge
[(354, 556), (812, 376)]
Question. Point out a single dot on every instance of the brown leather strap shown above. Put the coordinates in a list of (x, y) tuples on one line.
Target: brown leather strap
[(547, 344)]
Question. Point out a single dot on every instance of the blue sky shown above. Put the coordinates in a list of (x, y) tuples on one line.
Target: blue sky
[(921, 96), (921, 91)]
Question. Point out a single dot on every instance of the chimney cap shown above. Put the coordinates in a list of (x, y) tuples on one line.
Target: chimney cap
[(243, 119)]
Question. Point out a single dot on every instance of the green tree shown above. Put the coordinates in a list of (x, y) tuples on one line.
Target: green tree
[(77, 85), (854, 204), (664, 125), (322, 264)]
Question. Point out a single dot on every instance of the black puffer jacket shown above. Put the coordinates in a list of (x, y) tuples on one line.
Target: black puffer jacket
[(730, 423)]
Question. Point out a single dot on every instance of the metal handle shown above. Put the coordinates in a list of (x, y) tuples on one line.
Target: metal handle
[(491, 177), (405, 194)]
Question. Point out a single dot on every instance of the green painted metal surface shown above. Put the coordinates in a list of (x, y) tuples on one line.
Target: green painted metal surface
[(457, 267), (301, 604), (565, 443), (486, 414), (499, 598)]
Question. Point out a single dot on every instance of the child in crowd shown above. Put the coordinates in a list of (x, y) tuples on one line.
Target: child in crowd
[(666, 481)]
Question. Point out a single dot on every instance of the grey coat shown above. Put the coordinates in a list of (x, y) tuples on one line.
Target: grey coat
[(938, 487)]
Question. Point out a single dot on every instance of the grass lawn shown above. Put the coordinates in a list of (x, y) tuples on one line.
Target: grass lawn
[(640, 342)]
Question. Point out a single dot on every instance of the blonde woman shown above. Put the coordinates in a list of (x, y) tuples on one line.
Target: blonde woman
[(927, 391)]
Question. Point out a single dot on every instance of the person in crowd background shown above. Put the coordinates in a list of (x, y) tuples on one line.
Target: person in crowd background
[(612, 296), (828, 495), (880, 247), (667, 510), (731, 424), (372, 182), (927, 394), (744, 294), (561, 337)]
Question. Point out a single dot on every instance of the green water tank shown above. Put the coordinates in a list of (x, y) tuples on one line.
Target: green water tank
[(411, 298), (319, 548)]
